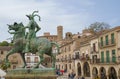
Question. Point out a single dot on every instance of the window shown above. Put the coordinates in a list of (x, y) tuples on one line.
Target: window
[(106, 39), (69, 56), (28, 59), (14, 66), (77, 55), (102, 57), (101, 41), (59, 66), (65, 57), (36, 60), (112, 38), (69, 66), (94, 47), (62, 67), (113, 56), (1, 52), (107, 57), (69, 48)]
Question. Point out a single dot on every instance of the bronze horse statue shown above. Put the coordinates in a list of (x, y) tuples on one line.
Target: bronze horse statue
[(37, 45)]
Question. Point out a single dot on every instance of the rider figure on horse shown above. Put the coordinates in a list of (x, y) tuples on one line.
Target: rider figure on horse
[(33, 29)]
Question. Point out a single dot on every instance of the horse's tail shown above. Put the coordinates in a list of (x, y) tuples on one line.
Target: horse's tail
[(53, 43)]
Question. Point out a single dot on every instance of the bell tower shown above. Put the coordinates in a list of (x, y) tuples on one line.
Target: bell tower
[(59, 33)]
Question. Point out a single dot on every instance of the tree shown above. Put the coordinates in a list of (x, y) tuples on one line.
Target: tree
[(10, 44), (4, 43), (98, 26)]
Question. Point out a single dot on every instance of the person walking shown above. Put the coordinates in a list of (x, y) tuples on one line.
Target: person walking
[(71, 75), (82, 77)]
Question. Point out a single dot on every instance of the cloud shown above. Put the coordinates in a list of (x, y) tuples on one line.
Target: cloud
[(72, 15)]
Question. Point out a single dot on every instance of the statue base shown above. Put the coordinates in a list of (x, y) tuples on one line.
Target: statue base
[(46, 73)]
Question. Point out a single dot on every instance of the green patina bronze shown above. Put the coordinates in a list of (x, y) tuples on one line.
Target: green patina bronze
[(25, 42)]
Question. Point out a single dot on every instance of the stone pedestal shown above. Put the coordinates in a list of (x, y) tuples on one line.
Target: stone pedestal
[(47, 73)]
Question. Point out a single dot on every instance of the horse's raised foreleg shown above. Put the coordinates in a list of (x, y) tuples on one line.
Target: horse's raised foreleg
[(23, 58), (41, 59)]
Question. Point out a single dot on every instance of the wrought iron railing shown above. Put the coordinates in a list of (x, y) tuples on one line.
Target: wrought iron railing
[(116, 60)]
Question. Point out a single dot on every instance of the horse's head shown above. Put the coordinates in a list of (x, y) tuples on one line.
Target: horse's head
[(14, 27)]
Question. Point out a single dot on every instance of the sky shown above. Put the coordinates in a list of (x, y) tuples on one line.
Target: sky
[(73, 15)]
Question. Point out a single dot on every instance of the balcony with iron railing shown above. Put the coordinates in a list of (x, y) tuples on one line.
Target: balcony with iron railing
[(105, 61), (95, 61), (82, 58), (109, 43), (93, 51)]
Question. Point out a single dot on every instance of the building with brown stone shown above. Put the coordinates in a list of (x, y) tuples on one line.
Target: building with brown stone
[(92, 54), (15, 59), (54, 38)]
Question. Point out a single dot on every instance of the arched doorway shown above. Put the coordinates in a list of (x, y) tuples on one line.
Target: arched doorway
[(79, 69), (103, 73), (112, 73), (66, 68), (119, 73), (94, 72), (86, 69)]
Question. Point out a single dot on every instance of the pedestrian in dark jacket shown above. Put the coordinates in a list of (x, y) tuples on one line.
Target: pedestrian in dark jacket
[(82, 77), (71, 75)]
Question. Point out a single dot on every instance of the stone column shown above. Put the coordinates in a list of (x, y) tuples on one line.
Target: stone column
[(82, 70), (107, 75)]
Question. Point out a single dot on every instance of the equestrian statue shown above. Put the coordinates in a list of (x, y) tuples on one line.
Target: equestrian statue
[(27, 42)]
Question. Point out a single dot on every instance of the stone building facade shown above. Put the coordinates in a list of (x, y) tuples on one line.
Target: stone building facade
[(91, 54)]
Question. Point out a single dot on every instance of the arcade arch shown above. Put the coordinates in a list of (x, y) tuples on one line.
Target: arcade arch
[(102, 73), (86, 69), (112, 73), (94, 72), (79, 69)]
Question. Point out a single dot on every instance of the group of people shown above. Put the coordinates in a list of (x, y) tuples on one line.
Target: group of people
[(71, 75)]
